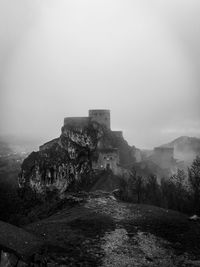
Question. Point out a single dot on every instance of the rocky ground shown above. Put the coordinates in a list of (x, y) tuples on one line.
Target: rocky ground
[(97, 230)]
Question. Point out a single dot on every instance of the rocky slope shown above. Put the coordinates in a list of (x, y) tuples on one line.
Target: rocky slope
[(97, 230)]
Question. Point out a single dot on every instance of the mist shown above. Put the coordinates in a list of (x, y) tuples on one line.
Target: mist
[(140, 59)]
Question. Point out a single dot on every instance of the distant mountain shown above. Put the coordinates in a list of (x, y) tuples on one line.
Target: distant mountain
[(185, 148)]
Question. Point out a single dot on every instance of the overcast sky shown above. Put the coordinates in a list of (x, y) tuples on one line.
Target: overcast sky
[(138, 58)]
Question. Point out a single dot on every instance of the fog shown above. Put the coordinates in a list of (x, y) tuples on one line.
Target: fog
[(140, 59)]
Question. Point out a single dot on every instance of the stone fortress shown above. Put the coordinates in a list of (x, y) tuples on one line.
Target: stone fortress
[(108, 158), (102, 116), (87, 146)]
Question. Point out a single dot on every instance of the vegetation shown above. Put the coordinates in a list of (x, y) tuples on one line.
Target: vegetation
[(24, 206), (181, 192), (194, 180)]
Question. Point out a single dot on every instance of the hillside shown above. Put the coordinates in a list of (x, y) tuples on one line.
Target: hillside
[(98, 230), (185, 148)]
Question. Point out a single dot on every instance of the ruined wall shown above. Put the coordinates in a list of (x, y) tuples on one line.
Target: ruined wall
[(102, 116)]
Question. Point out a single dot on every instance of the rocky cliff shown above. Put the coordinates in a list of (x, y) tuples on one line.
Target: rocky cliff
[(65, 161)]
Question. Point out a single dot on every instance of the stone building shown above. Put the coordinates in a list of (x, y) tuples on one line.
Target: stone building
[(102, 116), (108, 158)]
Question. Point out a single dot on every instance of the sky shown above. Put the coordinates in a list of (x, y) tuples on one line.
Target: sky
[(138, 58)]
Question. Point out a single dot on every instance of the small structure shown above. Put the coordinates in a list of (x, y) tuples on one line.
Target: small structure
[(108, 160)]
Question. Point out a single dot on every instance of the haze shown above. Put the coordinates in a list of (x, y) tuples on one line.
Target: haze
[(140, 59)]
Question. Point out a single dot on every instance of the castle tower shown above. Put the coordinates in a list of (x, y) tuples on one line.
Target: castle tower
[(102, 116)]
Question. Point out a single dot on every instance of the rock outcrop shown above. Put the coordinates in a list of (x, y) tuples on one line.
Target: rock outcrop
[(67, 160)]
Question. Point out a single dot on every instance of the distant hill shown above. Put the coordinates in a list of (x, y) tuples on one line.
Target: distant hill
[(185, 148)]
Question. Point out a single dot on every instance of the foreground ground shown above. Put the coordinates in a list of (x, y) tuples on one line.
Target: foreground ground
[(98, 230)]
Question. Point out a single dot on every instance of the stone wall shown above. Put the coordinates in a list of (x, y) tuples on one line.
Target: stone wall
[(102, 116), (76, 122)]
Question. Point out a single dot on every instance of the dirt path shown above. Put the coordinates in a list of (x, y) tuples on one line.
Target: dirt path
[(104, 232)]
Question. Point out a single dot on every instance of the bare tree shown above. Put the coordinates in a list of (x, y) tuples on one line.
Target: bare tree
[(194, 180), (137, 185), (179, 188)]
